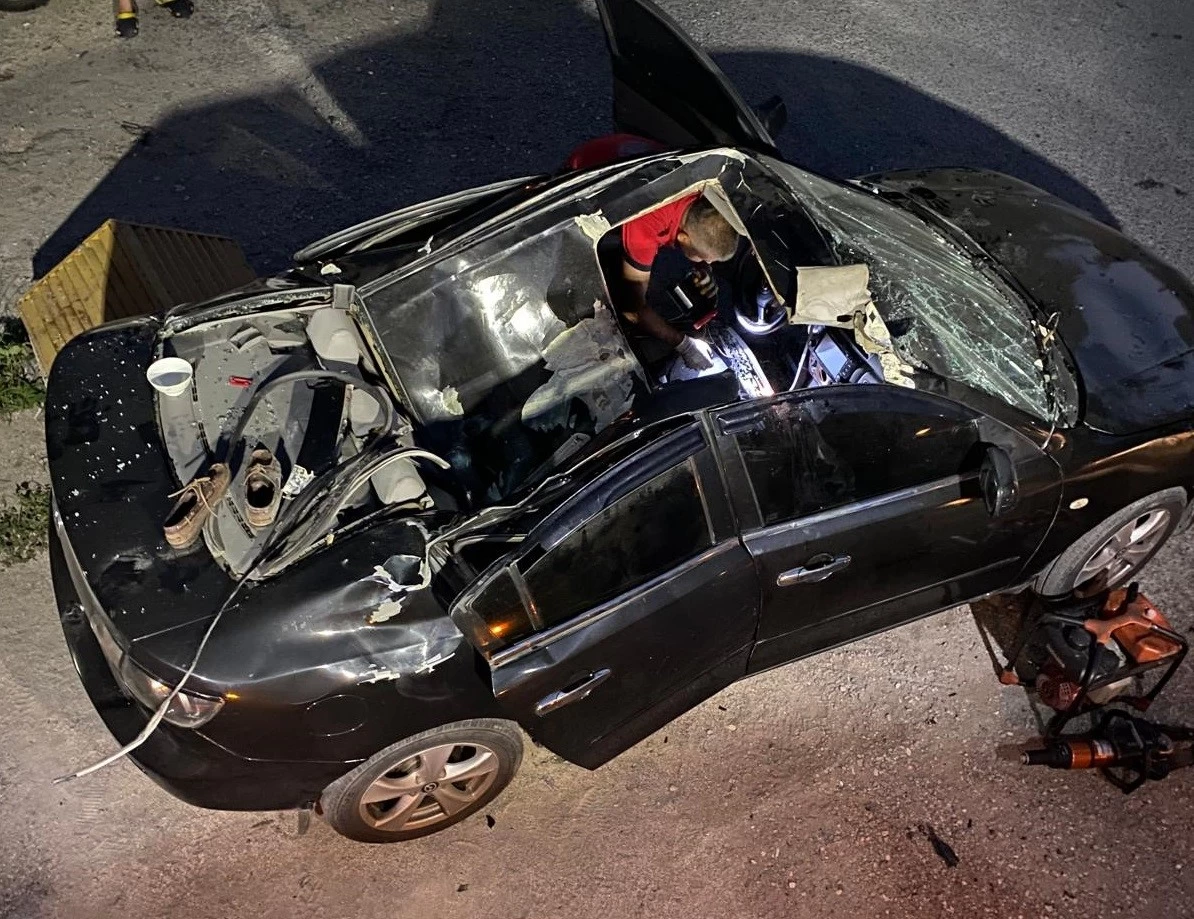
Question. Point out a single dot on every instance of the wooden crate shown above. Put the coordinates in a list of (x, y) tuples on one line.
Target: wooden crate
[(126, 269)]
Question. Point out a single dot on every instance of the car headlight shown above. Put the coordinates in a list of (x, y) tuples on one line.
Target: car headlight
[(187, 710)]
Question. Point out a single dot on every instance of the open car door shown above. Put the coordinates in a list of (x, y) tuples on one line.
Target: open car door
[(668, 89)]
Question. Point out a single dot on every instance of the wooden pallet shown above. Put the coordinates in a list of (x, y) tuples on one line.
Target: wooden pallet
[(122, 270)]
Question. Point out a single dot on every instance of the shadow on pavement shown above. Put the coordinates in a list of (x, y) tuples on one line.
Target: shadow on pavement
[(483, 93)]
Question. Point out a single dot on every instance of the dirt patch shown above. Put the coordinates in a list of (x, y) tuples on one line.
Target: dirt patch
[(22, 452)]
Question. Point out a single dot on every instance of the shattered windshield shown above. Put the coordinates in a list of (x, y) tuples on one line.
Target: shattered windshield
[(942, 312)]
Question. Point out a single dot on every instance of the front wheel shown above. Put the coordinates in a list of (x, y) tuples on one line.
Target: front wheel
[(425, 783), (1119, 546)]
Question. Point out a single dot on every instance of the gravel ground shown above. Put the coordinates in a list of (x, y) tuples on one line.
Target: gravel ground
[(799, 792)]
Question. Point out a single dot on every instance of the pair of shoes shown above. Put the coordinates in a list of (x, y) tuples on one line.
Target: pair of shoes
[(196, 501)]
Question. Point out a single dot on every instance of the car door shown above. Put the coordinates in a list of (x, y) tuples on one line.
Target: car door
[(629, 605), (863, 507), (667, 88)]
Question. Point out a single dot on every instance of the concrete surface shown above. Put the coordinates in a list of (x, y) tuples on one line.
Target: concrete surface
[(797, 793)]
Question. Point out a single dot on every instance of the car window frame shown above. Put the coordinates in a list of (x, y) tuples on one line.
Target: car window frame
[(688, 445), (741, 489)]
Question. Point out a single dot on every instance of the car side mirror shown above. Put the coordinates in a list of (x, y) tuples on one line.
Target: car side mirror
[(773, 113), (997, 481)]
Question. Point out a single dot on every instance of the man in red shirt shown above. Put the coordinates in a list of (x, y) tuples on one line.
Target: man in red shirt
[(695, 227)]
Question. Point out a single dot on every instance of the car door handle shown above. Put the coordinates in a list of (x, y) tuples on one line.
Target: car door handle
[(573, 693), (819, 568)]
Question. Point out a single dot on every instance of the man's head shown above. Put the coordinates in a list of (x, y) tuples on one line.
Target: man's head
[(706, 236)]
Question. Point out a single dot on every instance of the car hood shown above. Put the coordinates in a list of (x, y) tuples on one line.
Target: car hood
[(1126, 317), (112, 481)]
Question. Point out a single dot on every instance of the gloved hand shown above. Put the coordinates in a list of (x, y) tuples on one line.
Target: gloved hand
[(690, 352), (705, 282)]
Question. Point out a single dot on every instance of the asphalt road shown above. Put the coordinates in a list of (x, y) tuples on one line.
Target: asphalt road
[(800, 792)]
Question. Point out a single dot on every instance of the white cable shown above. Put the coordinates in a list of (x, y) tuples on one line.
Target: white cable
[(160, 713), (161, 710)]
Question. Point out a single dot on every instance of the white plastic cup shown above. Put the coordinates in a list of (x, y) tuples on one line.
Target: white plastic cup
[(171, 376)]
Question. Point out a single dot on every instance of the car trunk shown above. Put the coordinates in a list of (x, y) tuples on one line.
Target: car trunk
[(119, 450)]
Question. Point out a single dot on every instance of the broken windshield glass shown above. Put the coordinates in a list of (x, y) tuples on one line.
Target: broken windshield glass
[(943, 313)]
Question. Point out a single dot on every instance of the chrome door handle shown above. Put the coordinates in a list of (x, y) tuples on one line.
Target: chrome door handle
[(573, 693), (819, 568)]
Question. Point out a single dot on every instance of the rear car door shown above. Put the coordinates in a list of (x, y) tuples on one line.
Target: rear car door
[(863, 508), (627, 606), (667, 88)]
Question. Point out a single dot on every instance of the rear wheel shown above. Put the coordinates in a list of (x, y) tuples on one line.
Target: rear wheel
[(1118, 547), (425, 783)]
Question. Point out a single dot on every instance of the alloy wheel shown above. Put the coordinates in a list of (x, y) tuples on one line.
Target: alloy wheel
[(1127, 549), (429, 787)]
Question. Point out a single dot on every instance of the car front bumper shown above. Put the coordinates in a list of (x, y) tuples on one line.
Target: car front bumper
[(183, 761)]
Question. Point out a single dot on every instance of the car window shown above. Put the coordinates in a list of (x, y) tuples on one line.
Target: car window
[(647, 532), (501, 611), (813, 453), (943, 312)]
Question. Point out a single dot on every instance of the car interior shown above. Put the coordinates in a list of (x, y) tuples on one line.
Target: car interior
[(492, 449), (756, 350)]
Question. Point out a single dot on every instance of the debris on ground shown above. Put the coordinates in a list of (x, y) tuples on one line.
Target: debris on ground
[(943, 849)]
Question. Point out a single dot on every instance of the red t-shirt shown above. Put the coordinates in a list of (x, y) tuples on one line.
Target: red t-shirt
[(643, 237)]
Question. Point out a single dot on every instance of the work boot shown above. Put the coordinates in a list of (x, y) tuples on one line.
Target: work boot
[(179, 9), (194, 505), (126, 22), (263, 489)]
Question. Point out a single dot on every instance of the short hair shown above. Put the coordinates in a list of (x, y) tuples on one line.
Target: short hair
[(710, 230)]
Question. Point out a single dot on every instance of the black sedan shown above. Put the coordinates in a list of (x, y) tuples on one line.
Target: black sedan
[(496, 517)]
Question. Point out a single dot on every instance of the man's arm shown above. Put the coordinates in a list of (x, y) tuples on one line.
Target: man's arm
[(636, 310)]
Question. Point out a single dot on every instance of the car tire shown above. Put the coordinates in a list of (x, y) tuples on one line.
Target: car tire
[(20, 6), (1155, 518), (409, 790)]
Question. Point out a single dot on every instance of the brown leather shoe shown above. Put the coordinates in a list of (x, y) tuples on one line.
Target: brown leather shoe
[(194, 505), (263, 489)]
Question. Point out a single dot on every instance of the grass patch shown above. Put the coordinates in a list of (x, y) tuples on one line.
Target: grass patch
[(17, 390), (25, 524)]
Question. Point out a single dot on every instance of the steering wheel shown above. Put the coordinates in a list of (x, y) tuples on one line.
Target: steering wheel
[(757, 311)]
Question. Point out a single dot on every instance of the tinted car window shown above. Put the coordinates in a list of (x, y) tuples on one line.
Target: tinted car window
[(501, 610), (643, 534), (812, 454)]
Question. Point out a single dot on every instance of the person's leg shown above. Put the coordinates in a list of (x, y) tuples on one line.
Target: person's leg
[(126, 18)]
